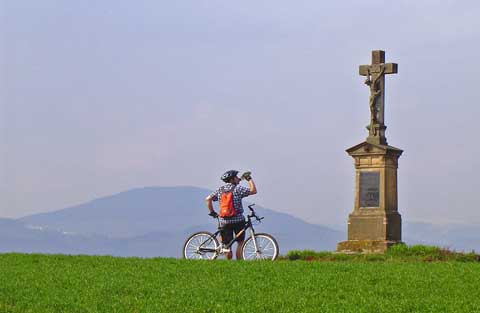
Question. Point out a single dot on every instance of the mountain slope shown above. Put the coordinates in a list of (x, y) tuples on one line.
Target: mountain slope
[(15, 236), (453, 236), (155, 221), (131, 213)]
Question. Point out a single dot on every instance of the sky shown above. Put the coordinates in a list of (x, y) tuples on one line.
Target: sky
[(99, 97)]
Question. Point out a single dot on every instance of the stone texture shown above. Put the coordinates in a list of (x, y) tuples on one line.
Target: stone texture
[(373, 229), (369, 246)]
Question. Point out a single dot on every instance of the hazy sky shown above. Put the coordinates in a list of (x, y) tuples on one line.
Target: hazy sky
[(99, 97)]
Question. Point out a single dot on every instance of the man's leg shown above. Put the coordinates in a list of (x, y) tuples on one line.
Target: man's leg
[(227, 236), (239, 249), (238, 227)]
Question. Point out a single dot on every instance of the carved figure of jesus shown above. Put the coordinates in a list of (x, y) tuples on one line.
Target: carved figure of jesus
[(375, 80), (375, 91)]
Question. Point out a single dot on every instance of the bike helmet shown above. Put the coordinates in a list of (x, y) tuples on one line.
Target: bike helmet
[(228, 175)]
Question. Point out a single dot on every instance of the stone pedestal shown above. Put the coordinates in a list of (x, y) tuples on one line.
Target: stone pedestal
[(375, 223)]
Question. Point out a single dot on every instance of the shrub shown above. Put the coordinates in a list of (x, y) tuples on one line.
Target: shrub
[(421, 250), (467, 257), (375, 257), (398, 249), (307, 255), (415, 250), (341, 257)]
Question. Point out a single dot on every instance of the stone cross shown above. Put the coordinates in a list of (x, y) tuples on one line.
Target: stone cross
[(375, 74)]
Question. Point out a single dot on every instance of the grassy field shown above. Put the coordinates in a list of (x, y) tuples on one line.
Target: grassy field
[(58, 283)]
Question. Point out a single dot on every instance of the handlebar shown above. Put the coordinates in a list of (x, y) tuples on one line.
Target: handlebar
[(253, 214)]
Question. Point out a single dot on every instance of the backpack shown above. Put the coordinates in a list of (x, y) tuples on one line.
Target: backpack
[(226, 204)]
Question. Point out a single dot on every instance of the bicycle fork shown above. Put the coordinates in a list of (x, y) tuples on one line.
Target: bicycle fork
[(252, 233)]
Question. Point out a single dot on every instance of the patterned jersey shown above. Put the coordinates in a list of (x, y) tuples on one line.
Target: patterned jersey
[(239, 192)]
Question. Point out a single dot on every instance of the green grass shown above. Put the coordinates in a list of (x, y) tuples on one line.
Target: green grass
[(59, 283)]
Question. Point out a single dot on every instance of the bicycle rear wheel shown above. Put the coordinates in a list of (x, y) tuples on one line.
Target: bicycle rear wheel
[(267, 248), (201, 245)]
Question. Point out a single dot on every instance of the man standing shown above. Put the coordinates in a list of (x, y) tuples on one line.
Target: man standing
[(231, 210)]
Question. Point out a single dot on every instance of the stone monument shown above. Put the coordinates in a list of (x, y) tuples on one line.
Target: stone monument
[(375, 223)]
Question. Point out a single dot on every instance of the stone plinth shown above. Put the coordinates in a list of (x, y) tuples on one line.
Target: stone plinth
[(375, 223)]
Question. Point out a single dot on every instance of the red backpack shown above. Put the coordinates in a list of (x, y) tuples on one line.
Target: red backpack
[(226, 204)]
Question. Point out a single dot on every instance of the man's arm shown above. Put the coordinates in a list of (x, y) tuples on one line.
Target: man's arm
[(253, 188), (208, 200)]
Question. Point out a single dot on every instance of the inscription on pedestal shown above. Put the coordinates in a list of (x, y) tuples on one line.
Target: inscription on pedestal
[(369, 189)]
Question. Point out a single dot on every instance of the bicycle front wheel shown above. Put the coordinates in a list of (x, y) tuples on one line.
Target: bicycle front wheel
[(260, 247), (201, 245)]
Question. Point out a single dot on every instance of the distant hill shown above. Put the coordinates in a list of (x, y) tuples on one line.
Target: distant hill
[(453, 236), (15, 236), (131, 213), (155, 221)]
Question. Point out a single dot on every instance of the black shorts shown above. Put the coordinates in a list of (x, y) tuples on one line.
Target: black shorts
[(228, 230)]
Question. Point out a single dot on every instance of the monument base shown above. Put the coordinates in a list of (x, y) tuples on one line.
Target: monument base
[(365, 246), (367, 224)]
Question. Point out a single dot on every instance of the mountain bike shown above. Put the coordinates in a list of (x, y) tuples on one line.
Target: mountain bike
[(205, 245)]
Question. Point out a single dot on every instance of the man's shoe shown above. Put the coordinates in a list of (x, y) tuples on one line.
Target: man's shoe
[(225, 250)]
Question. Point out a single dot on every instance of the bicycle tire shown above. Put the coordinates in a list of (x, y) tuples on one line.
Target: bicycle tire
[(193, 244), (267, 248)]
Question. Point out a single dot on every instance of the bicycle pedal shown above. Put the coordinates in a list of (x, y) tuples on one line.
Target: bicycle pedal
[(223, 250)]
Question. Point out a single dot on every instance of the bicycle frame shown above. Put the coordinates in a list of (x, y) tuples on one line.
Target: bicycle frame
[(248, 225)]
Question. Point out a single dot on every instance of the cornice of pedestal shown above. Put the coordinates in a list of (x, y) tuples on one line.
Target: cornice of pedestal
[(368, 148)]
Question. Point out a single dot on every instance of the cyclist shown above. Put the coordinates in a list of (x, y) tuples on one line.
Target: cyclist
[(234, 222)]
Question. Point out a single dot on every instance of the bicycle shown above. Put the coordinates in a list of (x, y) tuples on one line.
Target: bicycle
[(205, 245)]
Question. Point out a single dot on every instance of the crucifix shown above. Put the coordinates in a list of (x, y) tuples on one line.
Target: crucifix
[(374, 224), (375, 79)]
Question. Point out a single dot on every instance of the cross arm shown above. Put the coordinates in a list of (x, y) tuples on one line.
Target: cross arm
[(390, 68)]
